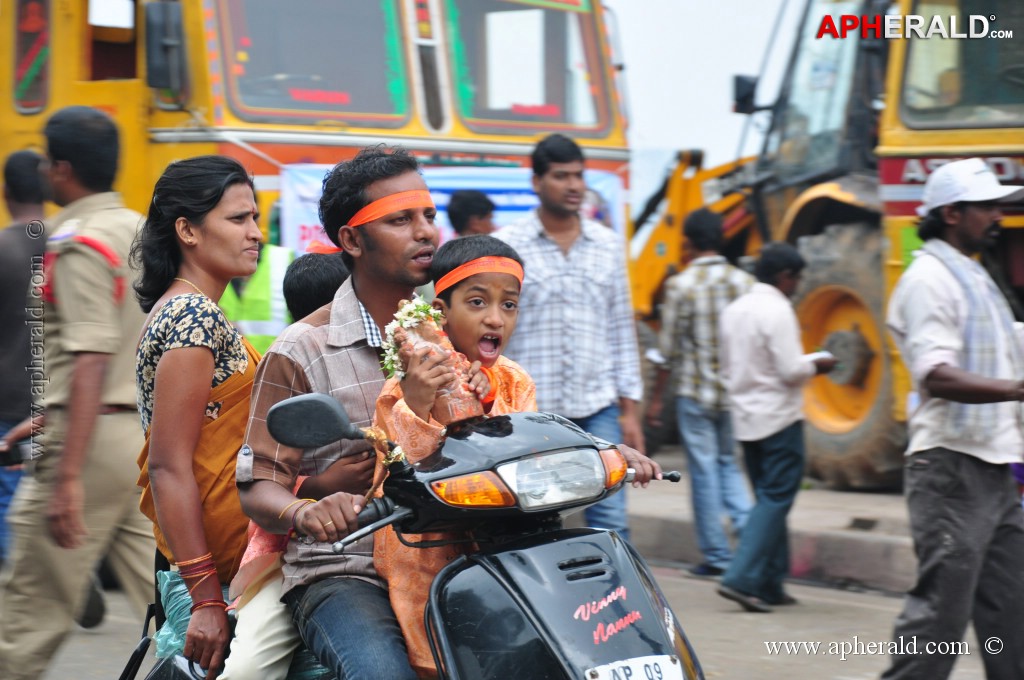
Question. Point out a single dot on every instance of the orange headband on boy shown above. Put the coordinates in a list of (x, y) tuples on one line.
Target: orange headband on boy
[(403, 200), (481, 265)]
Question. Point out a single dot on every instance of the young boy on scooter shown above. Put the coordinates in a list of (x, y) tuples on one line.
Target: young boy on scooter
[(477, 281)]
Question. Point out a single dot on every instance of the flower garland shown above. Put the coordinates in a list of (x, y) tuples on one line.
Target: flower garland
[(408, 315)]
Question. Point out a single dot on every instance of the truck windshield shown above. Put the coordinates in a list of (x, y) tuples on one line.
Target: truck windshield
[(315, 59), (967, 82), (525, 65), (810, 120)]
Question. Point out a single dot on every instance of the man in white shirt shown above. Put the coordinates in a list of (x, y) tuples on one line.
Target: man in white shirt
[(764, 368), (957, 336)]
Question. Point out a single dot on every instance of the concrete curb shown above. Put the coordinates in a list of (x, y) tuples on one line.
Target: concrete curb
[(845, 539)]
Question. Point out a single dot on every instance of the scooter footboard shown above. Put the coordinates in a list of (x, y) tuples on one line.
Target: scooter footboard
[(576, 603)]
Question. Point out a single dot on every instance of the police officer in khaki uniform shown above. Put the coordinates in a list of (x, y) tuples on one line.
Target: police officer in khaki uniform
[(80, 501)]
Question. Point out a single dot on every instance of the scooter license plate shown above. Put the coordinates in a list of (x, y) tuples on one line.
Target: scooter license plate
[(658, 667)]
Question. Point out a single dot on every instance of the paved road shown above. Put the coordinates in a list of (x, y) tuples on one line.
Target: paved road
[(729, 642)]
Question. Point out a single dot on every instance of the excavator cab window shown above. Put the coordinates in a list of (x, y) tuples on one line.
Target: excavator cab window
[(966, 82), (809, 124)]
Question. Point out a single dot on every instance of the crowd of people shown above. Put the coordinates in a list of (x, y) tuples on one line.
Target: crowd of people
[(733, 343), (151, 423)]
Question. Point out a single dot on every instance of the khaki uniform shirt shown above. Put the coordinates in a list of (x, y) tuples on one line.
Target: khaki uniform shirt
[(329, 352), (83, 311)]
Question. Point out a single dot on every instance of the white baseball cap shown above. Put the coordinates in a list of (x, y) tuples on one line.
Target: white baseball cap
[(968, 180)]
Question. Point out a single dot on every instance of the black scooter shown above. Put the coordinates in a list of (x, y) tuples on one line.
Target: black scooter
[(537, 601)]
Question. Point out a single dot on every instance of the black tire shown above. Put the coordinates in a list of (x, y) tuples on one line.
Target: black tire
[(870, 454)]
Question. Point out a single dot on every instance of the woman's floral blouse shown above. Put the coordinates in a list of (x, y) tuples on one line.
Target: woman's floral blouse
[(189, 320)]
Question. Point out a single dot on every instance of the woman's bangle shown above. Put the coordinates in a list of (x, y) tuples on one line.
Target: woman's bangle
[(196, 573), (197, 583), (207, 556), (209, 603), (197, 568)]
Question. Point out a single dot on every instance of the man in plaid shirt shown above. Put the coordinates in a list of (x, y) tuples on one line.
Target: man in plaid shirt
[(377, 209), (576, 336), (694, 302)]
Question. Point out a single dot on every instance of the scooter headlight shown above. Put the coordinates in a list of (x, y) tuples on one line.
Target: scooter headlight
[(555, 478)]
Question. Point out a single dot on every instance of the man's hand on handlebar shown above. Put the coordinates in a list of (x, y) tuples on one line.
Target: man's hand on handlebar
[(645, 468), (330, 519)]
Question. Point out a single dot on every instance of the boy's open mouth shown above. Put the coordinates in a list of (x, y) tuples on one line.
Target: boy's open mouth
[(489, 346)]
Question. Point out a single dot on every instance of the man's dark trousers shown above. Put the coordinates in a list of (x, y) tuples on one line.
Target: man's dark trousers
[(775, 466), (968, 530)]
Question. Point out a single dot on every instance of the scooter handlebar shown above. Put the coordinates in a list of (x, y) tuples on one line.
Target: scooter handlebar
[(376, 509), (378, 513), (669, 476)]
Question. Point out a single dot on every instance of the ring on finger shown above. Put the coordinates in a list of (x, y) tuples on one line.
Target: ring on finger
[(327, 524)]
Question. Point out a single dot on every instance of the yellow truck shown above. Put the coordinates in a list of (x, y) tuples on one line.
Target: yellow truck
[(272, 83), (876, 95)]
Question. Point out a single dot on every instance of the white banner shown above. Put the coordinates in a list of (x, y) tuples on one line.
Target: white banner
[(301, 186), (510, 189)]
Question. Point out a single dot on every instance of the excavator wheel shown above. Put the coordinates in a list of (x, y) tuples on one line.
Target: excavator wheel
[(853, 441)]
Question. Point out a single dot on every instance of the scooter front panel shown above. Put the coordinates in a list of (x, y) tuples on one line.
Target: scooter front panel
[(484, 632), (586, 600)]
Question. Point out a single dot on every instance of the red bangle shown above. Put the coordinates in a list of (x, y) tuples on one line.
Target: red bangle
[(197, 569), (207, 556), (208, 603)]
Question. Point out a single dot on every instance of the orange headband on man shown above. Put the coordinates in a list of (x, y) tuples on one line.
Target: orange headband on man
[(321, 248), (403, 200), (481, 265)]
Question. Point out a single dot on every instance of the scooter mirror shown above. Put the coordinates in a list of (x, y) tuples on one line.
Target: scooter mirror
[(310, 420)]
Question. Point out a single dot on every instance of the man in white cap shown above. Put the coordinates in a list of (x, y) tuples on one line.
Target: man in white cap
[(958, 337)]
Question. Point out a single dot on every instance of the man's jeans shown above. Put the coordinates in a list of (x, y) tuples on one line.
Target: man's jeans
[(349, 625), (611, 512), (775, 465), (717, 485), (9, 478)]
